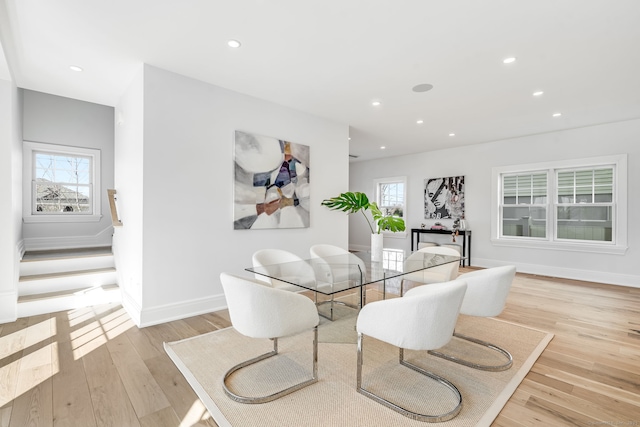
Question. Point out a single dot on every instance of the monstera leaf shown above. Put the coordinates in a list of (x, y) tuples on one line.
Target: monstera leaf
[(388, 222), (348, 202), (353, 202)]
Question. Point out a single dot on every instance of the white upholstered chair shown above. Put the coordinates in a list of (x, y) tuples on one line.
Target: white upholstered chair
[(486, 296), (260, 311), (424, 320), (438, 274), (333, 265), (287, 266), (338, 273), (427, 244)]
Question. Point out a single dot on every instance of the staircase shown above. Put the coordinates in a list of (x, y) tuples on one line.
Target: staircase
[(59, 280)]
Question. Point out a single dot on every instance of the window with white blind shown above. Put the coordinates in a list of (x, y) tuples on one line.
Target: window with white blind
[(585, 206), (524, 205), (574, 205), (62, 183)]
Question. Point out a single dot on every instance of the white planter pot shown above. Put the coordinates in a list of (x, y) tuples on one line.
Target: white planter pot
[(377, 241)]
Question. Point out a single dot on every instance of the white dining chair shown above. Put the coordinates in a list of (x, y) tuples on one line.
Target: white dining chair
[(486, 296), (350, 268), (424, 320), (334, 265), (437, 274), (260, 311), (287, 266)]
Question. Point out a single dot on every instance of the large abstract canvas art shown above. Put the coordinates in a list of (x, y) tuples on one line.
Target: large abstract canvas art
[(271, 183), (444, 197)]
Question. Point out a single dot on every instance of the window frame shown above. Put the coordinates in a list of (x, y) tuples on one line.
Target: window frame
[(30, 148), (612, 204), (617, 246), (532, 203), (376, 190)]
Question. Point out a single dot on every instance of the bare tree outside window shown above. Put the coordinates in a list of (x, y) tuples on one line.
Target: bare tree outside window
[(62, 183), (391, 199)]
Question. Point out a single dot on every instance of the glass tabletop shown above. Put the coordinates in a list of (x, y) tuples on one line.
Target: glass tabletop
[(334, 274)]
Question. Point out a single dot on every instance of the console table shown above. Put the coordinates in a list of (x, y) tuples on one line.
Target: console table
[(465, 235)]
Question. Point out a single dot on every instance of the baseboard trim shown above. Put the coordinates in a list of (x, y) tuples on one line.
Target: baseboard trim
[(20, 250), (181, 310), (131, 306), (8, 306), (144, 317), (607, 277), (103, 238)]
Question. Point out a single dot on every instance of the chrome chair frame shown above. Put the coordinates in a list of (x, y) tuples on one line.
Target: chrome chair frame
[(319, 253), (492, 368), (278, 394), (333, 301), (407, 413), (499, 278)]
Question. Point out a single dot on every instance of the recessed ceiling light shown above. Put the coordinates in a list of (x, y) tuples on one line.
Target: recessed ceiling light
[(376, 103), (75, 68), (234, 44), (452, 134), (419, 122), (422, 87), (538, 93), (383, 147), (557, 114), (509, 60)]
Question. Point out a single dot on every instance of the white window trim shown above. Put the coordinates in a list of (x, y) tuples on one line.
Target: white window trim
[(618, 247), (27, 180), (376, 186)]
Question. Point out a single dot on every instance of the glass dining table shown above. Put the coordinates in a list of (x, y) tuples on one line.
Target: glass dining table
[(332, 275)]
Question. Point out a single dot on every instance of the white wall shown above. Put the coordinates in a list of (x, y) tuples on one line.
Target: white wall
[(11, 194), (476, 163), (64, 121), (187, 194), (127, 240)]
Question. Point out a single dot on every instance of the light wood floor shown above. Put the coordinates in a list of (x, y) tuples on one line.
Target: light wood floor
[(93, 367)]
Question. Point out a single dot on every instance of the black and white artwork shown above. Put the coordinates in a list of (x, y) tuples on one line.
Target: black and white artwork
[(444, 198), (271, 186)]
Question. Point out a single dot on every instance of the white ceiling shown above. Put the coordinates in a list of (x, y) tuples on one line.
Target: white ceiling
[(331, 58)]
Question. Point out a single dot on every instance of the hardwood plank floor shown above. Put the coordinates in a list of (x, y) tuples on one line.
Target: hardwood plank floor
[(93, 367)]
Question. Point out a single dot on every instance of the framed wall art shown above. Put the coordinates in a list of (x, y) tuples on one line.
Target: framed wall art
[(271, 183), (444, 198)]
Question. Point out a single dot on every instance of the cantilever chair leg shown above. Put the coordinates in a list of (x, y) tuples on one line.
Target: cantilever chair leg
[(407, 413), (493, 368), (274, 396)]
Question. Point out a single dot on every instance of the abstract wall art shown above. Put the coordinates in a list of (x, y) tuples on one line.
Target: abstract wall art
[(444, 197), (271, 185)]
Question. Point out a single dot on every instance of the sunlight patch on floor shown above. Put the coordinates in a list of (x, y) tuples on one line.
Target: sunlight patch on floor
[(36, 364), (25, 338), (79, 316), (196, 413), (97, 333), (28, 372)]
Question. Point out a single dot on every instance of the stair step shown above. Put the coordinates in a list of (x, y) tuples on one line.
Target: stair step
[(50, 254), (47, 276), (43, 262), (70, 292), (64, 281), (50, 302)]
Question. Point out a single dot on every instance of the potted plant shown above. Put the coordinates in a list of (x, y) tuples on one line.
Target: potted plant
[(353, 202)]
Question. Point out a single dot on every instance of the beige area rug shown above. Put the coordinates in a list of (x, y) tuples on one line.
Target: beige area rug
[(333, 400)]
